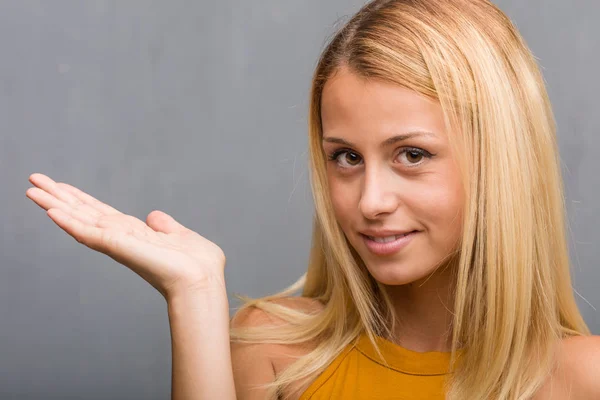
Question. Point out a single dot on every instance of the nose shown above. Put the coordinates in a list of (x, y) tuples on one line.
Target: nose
[(378, 197)]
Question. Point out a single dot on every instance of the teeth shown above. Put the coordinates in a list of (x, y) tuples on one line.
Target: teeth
[(386, 239)]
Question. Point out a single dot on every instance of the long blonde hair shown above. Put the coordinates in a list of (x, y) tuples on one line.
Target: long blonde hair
[(513, 293)]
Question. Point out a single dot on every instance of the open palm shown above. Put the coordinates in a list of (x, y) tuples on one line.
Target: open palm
[(166, 254)]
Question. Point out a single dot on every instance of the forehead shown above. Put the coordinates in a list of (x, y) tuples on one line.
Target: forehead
[(351, 104)]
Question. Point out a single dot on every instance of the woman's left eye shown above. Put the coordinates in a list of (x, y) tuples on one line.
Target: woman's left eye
[(414, 156)]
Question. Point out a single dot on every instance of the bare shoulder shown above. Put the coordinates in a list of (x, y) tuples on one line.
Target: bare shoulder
[(254, 316), (576, 372), (257, 364), (580, 360)]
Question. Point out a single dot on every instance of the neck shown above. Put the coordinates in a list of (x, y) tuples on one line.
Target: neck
[(424, 311)]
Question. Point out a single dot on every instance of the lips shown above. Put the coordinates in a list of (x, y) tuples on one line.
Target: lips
[(387, 239), (385, 234), (388, 245)]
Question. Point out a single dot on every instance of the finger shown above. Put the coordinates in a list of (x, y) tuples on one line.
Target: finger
[(45, 183), (120, 246), (47, 202), (88, 235), (163, 222), (89, 200), (71, 195)]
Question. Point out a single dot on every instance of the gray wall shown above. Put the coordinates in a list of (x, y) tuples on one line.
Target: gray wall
[(198, 109)]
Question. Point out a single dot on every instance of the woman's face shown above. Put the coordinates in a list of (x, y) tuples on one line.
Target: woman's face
[(391, 172)]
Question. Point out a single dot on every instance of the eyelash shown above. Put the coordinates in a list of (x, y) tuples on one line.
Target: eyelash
[(334, 156)]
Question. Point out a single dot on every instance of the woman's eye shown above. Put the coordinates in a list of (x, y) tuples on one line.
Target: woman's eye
[(414, 156), (345, 158)]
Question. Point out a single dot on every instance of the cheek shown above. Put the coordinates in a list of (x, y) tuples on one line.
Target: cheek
[(343, 202), (441, 209), (340, 200)]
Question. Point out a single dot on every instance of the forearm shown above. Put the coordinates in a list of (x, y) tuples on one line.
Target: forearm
[(201, 354)]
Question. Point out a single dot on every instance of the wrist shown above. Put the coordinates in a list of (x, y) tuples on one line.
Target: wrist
[(202, 289)]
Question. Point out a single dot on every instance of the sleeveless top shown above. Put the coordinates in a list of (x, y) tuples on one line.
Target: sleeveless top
[(358, 373)]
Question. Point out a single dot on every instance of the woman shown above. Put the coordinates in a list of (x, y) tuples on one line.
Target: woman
[(439, 266)]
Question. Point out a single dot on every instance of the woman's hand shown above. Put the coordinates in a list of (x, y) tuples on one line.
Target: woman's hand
[(169, 256)]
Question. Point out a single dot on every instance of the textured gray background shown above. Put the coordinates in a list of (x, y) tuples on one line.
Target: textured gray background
[(198, 108)]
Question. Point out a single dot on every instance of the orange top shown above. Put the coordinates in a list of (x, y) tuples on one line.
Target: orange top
[(359, 374)]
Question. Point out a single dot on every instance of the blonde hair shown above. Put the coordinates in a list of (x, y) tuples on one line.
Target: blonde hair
[(513, 293)]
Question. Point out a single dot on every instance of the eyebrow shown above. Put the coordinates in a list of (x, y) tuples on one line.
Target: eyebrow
[(387, 142)]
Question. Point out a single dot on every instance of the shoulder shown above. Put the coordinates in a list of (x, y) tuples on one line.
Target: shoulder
[(259, 363), (254, 316), (579, 358)]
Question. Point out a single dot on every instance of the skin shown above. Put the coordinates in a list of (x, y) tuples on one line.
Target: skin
[(394, 187), (186, 268)]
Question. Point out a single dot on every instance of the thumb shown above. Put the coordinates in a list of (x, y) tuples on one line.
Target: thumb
[(163, 222)]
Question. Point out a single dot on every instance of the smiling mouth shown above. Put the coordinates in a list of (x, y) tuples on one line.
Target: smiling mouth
[(388, 239), (389, 245)]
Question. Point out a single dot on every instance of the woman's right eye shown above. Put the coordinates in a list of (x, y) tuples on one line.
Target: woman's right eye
[(345, 158)]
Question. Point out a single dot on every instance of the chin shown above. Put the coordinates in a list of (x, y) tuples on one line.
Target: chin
[(396, 274)]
